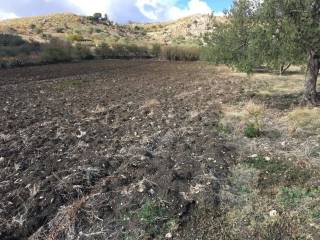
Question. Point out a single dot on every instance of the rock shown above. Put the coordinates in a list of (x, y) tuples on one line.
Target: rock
[(168, 236)]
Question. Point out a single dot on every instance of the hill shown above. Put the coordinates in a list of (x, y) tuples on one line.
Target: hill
[(80, 28)]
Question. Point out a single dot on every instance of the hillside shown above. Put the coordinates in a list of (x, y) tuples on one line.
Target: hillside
[(80, 28)]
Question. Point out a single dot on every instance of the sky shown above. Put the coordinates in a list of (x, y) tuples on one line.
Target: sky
[(120, 11)]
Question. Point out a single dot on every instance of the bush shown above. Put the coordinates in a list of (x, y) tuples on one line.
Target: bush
[(56, 51), (122, 51), (137, 51), (74, 37), (179, 53), (60, 30), (11, 40), (103, 51), (254, 114), (119, 51), (82, 52), (156, 50)]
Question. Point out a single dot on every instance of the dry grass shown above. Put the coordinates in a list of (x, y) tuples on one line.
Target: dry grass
[(273, 191), (304, 120)]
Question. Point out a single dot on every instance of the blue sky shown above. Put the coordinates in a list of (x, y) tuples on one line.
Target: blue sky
[(217, 5), (118, 10)]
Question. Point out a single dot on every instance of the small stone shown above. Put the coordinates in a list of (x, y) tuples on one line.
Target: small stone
[(1, 159), (267, 158), (273, 213), (141, 187), (254, 156), (17, 166), (80, 134), (168, 235), (151, 191)]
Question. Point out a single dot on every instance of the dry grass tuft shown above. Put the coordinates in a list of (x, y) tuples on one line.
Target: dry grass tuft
[(304, 120), (254, 110), (151, 103)]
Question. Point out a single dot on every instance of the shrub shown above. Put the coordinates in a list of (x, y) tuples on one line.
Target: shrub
[(180, 53), (137, 51), (122, 51), (103, 51), (156, 50), (33, 26), (74, 37), (254, 113), (37, 30), (11, 40), (56, 51), (119, 51), (60, 30), (82, 52)]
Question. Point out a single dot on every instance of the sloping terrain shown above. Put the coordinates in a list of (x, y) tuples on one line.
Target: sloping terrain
[(64, 26), (113, 150)]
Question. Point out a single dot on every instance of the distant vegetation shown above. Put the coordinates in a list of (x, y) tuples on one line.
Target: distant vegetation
[(14, 51), (38, 40)]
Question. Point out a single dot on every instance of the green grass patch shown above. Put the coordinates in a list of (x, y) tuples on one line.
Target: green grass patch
[(70, 84), (294, 196), (252, 131), (277, 172), (152, 219)]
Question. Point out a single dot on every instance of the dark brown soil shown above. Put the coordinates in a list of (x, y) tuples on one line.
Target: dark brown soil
[(83, 145)]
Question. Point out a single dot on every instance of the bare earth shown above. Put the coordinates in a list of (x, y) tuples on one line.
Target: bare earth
[(113, 150)]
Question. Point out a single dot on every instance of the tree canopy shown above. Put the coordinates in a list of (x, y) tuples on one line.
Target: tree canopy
[(272, 33)]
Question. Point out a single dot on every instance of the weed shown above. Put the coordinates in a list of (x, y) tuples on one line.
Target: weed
[(254, 113), (152, 218), (316, 214), (292, 197), (64, 85), (252, 130), (222, 128), (275, 172), (315, 152)]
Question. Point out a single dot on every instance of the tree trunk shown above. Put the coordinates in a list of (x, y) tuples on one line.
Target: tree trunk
[(310, 94), (284, 68)]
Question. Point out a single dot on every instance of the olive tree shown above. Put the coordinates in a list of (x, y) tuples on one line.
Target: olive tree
[(302, 18), (273, 33)]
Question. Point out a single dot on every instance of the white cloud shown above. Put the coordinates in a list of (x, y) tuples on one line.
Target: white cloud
[(7, 15), (157, 10), (194, 7), (153, 10), (89, 7), (219, 14), (118, 10)]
